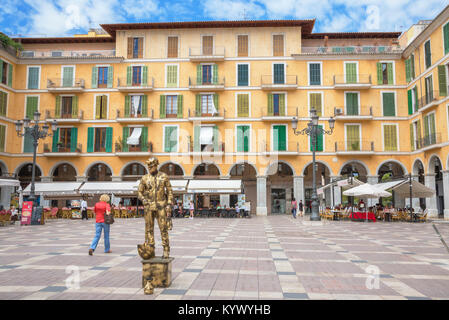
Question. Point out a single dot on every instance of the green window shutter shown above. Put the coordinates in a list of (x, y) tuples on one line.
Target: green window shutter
[(412, 138), (240, 138), (351, 73), (246, 137), (110, 76), (145, 106), (390, 138), (174, 139), (128, 75), (97, 107), (75, 107), (390, 73), (196, 139), (418, 129), (27, 141), (180, 103), (144, 76), (125, 135), (278, 77), (2, 138), (407, 70), (353, 137), (319, 142), (315, 103), (199, 75), (428, 54), (167, 134), (352, 103), (279, 138), (10, 74), (162, 107), (144, 139), (3, 97), (108, 145), (388, 104), (270, 104), (442, 80), (58, 107), (33, 78), (282, 104), (216, 138), (67, 77), (412, 66), (1, 66), (31, 107), (90, 139), (104, 104), (73, 139), (54, 147), (315, 74), (215, 74), (197, 105), (127, 106), (172, 75), (410, 102), (242, 76), (416, 99), (216, 101), (94, 77), (380, 78), (432, 137), (446, 38)]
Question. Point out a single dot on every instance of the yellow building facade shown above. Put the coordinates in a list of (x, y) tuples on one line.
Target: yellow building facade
[(216, 100)]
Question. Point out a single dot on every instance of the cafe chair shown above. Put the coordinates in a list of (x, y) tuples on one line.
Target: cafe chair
[(423, 217)]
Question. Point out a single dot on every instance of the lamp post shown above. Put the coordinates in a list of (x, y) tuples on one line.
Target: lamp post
[(36, 133), (313, 130)]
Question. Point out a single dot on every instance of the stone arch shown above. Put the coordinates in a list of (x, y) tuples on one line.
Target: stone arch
[(431, 169), (132, 162), (20, 166), (243, 162), (270, 167), (3, 167), (415, 164), (175, 163), (208, 163), (94, 164), (404, 169), (57, 164), (324, 163), (368, 172)]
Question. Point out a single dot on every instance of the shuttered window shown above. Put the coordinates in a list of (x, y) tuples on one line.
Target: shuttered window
[(2, 138), (208, 45), (429, 129), (446, 38), (172, 49), (101, 107), (442, 80), (388, 104), (352, 103), (67, 76), (172, 75), (351, 72), (31, 107), (279, 138), (242, 44), (135, 48), (315, 74), (390, 137), (242, 75), (353, 137), (278, 73), (243, 105), (385, 73), (171, 139), (3, 103), (427, 54), (243, 133), (316, 103), (278, 45), (33, 77), (319, 141), (27, 141)]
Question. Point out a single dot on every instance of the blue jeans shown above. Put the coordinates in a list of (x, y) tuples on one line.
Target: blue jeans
[(98, 228), (294, 212)]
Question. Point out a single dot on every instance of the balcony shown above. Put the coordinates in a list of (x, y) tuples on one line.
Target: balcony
[(429, 142), (276, 116), (124, 86), (269, 82), (352, 50), (68, 117), (292, 149), (124, 150), (362, 81), (52, 54), (199, 54), (218, 85), (430, 99), (58, 85), (354, 147), (132, 117), (63, 150), (205, 150), (363, 113), (198, 116)]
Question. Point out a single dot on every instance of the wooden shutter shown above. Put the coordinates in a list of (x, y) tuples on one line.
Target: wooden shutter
[(242, 76), (172, 75), (242, 43), (390, 138), (412, 138), (198, 110), (215, 97), (428, 54), (351, 72), (416, 99), (315, 74), (58, 107), (167, 134), (33, 78), (280, 138), (97, 107), (319, 142), (108, 145), (208, 45), (418, 129), (110, 76), (2, 138), (196, 139), (130, 47), (215, 74), (75, 107), (94, 77), (353, 137), (242, 105), (67, 76), (162, 107), (388, 104), (179, 107), (27, 141), (352, 103), (199, 74), (410, 102), (90, 139), (128, 75), (127, 106), (315, 103), (446, 38), (145, 76), (412, 67), (10, 66), (125, 135), (144, 139), (240, 139), (380, 78), (278, 77), (270, 105), (144, 106), (407, 70), (1, 68), (140, 48), (282, 104), (216, 138), (442, 80), (3, 102), (278, 45), (390, 73), (172, 50), (73, 139), (104, 105), (31, 107), (54, 147)]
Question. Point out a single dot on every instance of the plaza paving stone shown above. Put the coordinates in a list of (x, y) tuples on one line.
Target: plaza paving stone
[(273, 257)]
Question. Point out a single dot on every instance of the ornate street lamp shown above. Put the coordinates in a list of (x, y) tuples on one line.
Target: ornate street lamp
[(313, 130), (36, 132)]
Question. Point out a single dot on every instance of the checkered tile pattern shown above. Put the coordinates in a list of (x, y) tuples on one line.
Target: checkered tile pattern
[(275, 257)]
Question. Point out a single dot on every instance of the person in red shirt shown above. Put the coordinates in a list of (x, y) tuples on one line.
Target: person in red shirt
[(101, 208)]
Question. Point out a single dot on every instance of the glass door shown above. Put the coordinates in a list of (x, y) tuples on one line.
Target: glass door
[(278, 201)]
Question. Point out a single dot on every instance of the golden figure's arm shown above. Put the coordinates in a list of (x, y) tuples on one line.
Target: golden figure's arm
[(169, 192), (141, 191)]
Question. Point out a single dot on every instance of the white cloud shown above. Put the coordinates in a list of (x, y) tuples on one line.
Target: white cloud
[(232, 10), (141, 8)]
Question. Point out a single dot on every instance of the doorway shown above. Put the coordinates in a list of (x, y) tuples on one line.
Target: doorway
[(278, 201)]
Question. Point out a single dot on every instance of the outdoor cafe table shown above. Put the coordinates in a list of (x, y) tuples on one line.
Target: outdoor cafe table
[(363, 216)]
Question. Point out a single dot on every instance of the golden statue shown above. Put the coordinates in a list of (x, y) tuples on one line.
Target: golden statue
[(156, 194)]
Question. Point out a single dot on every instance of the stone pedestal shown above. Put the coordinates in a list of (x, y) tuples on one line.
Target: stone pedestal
[(158, 270)]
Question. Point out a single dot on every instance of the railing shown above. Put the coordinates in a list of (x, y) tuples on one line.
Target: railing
[(63, 148), (346, 79), (208, 148), (263, 147), (362, 111), (133, 115), (65, 53), (428, 98), (428, 140), (193, 82), (271, 80), (354, 146), (123, 82), (50, 114), (194, 113), (11, 50), (122, 146), (351, 50), (290, 112), (55, 83), (206, 51)]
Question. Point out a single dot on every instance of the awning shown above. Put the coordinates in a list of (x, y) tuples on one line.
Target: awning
[(344, 184), (388, 185), (215, 186), (418, 190), (53, 188), (136, 105), (179, 185), (206, 136), (134, 139), (9, 183), (366, 190), (119, 187)]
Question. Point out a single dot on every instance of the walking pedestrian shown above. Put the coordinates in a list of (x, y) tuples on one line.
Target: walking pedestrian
[(192, 209), (294, 206), (101, 208), (301, 208), (84, 209)]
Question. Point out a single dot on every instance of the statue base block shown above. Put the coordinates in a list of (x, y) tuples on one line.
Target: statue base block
[(158, 270)]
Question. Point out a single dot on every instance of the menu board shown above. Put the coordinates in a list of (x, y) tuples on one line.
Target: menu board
[(27, 210)]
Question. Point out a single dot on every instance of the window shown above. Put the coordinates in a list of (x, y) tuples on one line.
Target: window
[(351, 72), (171, 106), (3, 103), (135, 48), (66, 107), (388, 101), (427, 54), (278, 73), (137, 76), (2, 138), (410, 68), (206, 105), (31, 106), (67, 76), (134, 139), (33, 77), (315, 101), (314, 74), (137, 105), (6, 73), (276, 104), (243, 135), (208, 45), (415, 134), (243, 105), (415, 98), (172, 75), (27, 54), (99, 139), (171, 139), (56, 53), (278, 45), (279, 138), (429, 130), (242, 75), (64, 139), (205, 138), (352, 103), (242, 45), (385, 73), (319, 141), (353, 137), (172, 47), (102, 77), (446, 38), (101, 107), (429, 89), (390, 137), (28, 141), (206, 74)]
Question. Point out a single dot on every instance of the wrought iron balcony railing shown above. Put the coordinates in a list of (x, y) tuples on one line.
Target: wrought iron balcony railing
[(354, 146)]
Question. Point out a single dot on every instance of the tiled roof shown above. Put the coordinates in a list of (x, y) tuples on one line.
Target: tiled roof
[(354, 35), (65, 40)]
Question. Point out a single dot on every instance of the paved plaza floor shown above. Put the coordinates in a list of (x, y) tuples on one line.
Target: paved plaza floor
[(275, 257)]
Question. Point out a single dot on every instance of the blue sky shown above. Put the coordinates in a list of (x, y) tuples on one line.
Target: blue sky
[(68, 17)]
